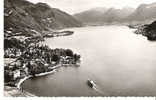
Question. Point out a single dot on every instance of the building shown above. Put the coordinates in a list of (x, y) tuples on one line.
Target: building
[(16, 74)]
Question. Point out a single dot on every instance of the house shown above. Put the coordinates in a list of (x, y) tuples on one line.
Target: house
[(53, 62), (26, 70), (16, 74)]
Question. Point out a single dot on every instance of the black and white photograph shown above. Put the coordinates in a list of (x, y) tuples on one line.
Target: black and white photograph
[(79, 48)]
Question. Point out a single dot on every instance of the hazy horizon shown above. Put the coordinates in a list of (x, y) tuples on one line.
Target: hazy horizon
[(76, 6)]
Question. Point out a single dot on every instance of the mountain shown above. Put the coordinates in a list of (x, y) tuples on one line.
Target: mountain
[(143, 12), (103, 15), (24, 17), (115, 15), (90, 16)]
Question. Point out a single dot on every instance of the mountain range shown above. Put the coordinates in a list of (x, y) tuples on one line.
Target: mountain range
[(24, 17), (145, 12)]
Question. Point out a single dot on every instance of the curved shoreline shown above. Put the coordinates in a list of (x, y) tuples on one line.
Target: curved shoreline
[(37, 75), (21, 81), (30, 76)]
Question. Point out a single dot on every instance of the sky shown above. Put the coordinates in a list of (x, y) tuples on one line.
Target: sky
[(76, 6)]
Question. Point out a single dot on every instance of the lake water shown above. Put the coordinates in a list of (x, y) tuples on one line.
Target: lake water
[(120, 62)]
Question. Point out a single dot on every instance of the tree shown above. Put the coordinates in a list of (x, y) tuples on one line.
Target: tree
[(55, 58), (76, 57), (69, 52), (7, 77)]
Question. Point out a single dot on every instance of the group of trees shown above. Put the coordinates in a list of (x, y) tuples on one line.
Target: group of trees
[(13, 43), (148, 30), (36, 56)]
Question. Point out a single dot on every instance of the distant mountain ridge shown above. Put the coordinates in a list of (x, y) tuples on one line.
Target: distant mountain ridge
[(91, 16), (116, 15), (21, 16), (143, 13)]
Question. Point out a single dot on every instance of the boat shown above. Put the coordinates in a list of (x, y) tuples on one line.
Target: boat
[(91, 83)]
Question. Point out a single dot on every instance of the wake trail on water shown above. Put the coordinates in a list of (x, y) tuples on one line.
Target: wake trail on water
[(98, 90)]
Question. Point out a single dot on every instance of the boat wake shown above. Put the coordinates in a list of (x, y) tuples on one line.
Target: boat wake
[(98, 90), (93, 85)]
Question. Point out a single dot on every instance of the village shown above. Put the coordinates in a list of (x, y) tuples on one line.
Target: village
[(28, 56)]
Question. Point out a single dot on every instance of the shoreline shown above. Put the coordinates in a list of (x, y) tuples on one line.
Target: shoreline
[(18, 87), (52, 68), (37, 75)]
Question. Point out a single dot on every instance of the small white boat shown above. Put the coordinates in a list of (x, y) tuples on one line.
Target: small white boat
[(91, 83)]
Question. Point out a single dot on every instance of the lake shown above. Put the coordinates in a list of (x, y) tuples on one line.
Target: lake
[(120, 62)]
